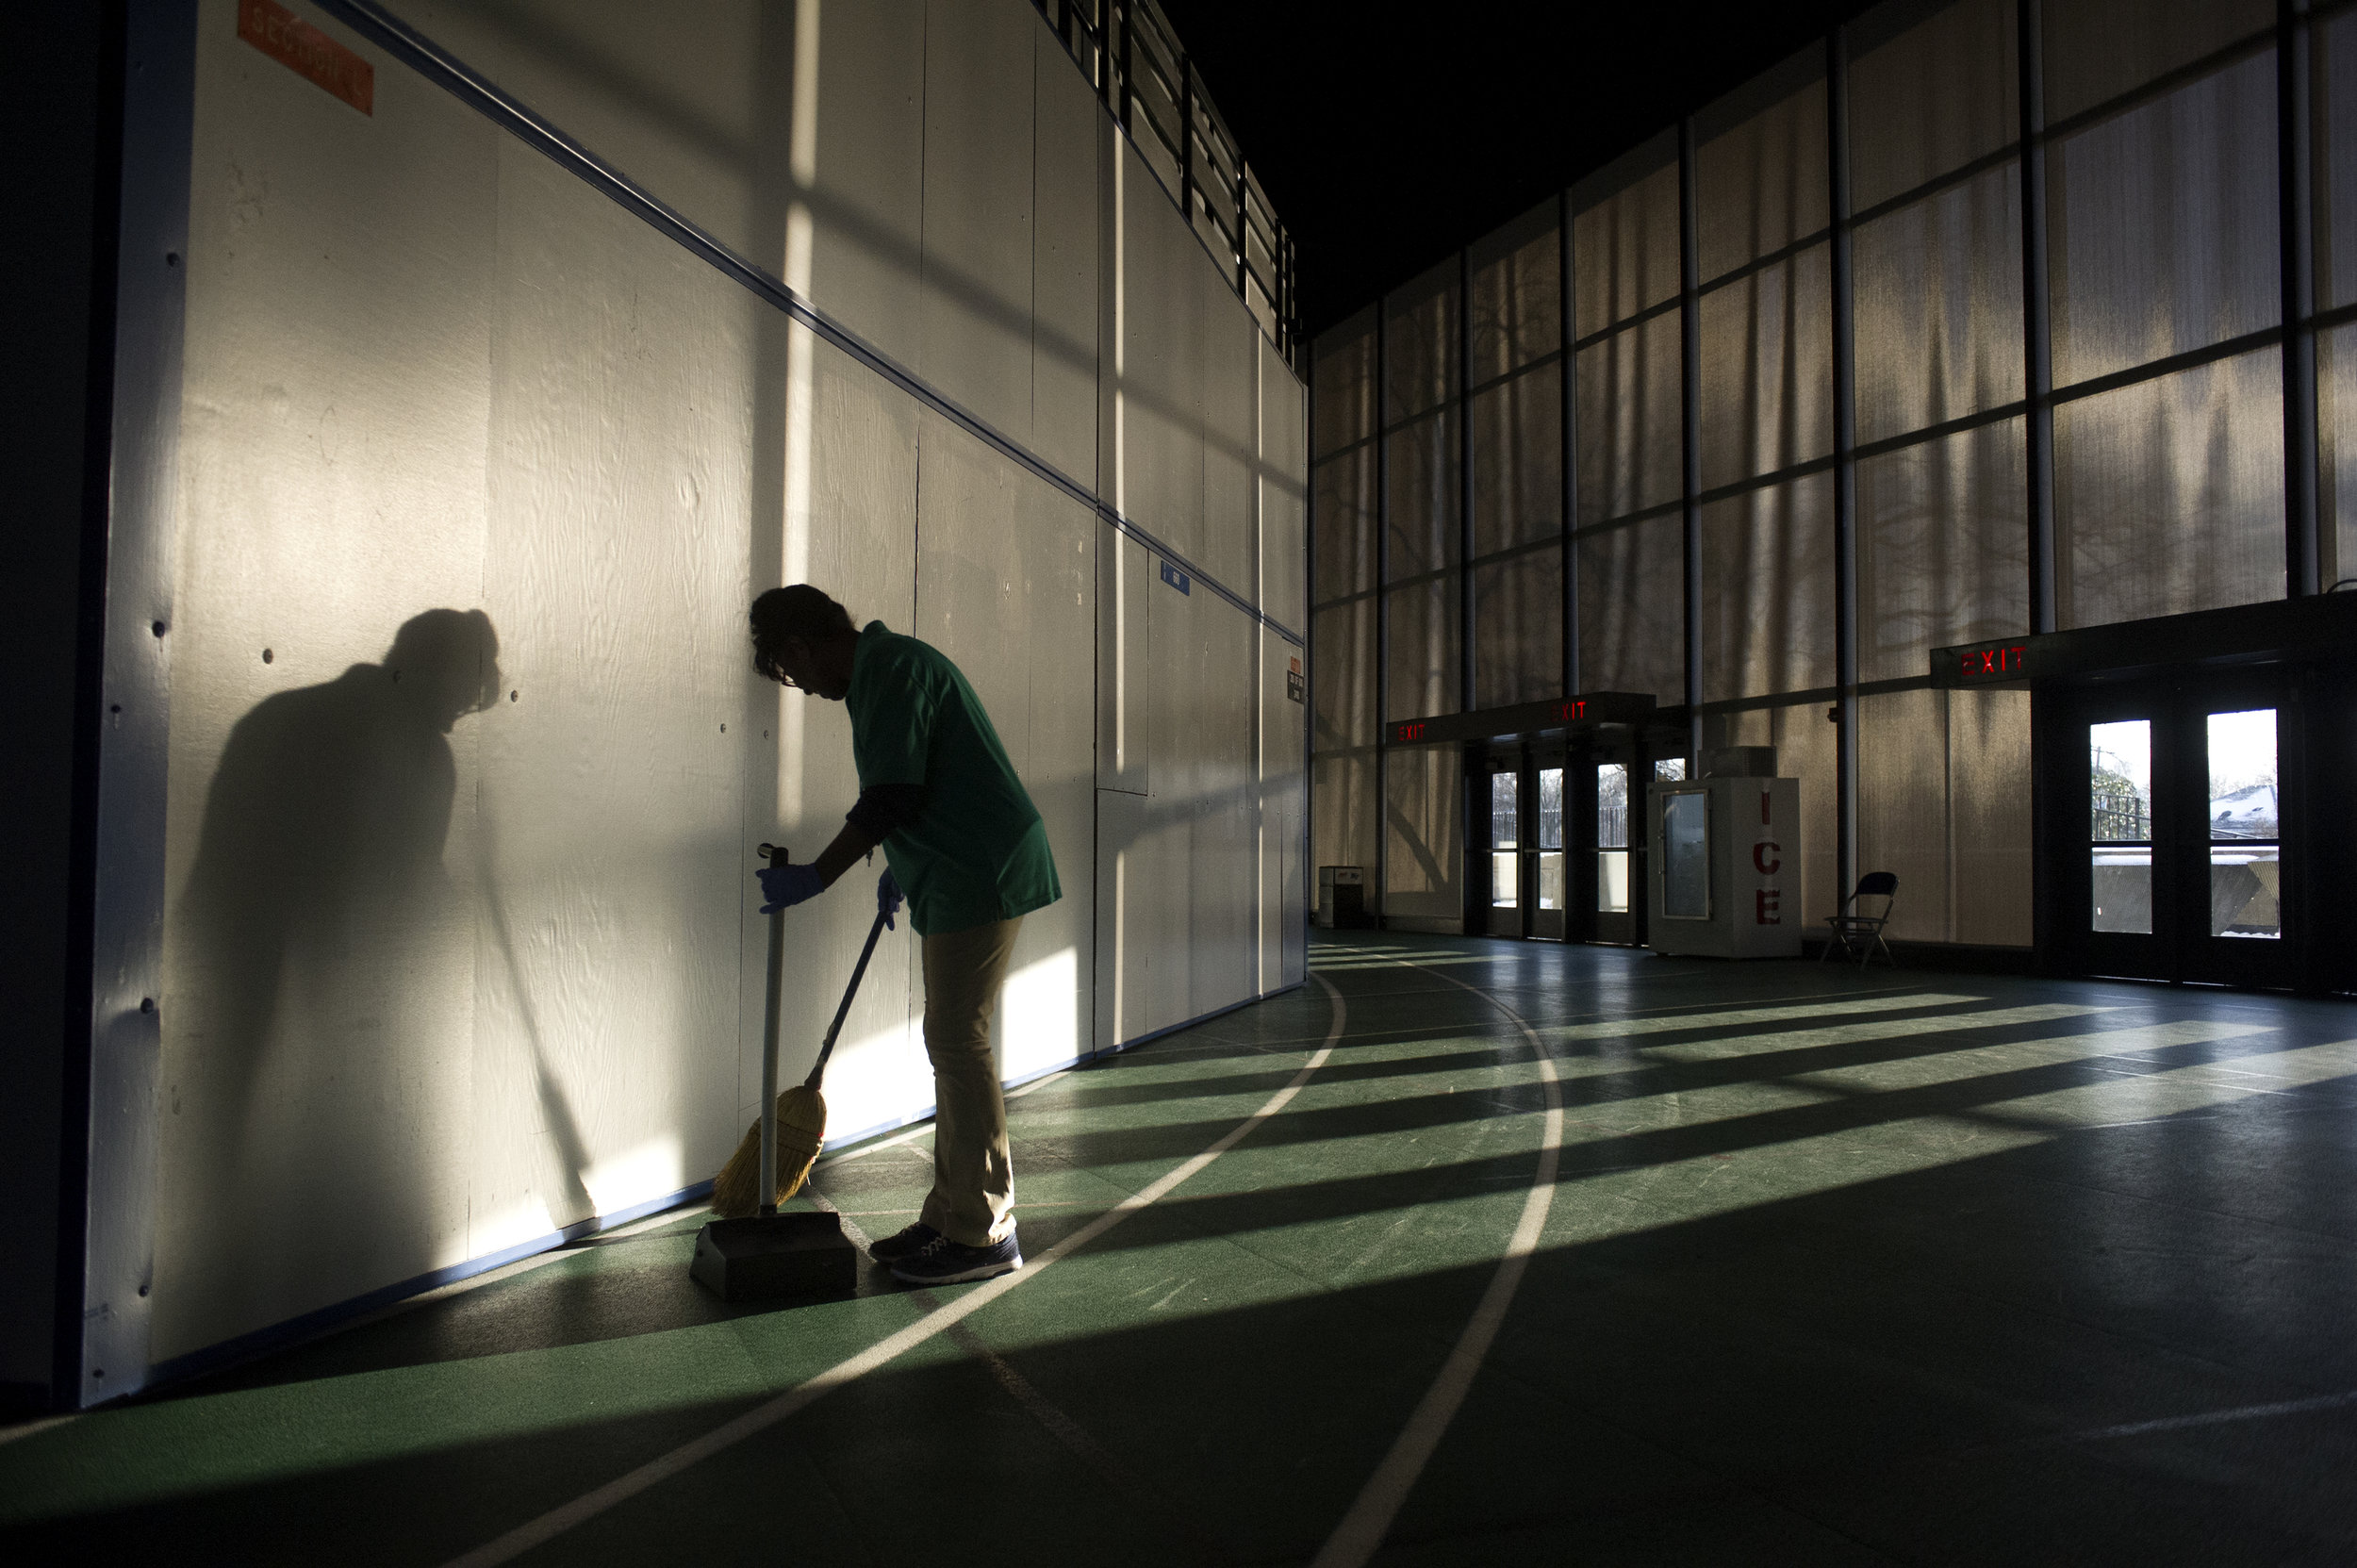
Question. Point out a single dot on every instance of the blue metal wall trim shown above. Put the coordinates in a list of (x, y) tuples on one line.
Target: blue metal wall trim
[(437, 65), (117, 1213)]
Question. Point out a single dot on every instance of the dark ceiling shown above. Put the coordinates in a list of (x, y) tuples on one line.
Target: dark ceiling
[(1388, 137)]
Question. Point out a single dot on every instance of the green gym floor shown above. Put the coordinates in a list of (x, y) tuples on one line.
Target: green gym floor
[(1550, 1255)]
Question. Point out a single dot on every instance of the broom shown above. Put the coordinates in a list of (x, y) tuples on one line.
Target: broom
[(778, 1149)]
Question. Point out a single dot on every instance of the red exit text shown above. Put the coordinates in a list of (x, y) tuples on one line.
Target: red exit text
[(1983, 663)]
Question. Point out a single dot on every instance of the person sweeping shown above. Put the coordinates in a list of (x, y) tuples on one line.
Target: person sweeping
[(964, 841)]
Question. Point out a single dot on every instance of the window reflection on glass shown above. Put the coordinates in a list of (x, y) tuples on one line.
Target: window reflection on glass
[(1550, 811), (1551, 879), (2119, 790), (2245, 870), (2120, 778), (1505, 810), (1613, 882), (1671, 770), (2242, 775), (1504, 894), (1612, 806), (1686, 855)]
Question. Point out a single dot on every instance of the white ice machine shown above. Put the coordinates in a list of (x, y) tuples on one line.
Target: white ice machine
[(1725, 863)]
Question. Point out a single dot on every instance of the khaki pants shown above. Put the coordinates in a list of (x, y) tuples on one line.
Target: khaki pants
[(973, 1197)]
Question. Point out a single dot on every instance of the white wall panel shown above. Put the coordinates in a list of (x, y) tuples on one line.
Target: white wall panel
[(1201, 837), (1125, 582), (1004, 575), (1156, 385), (1283, 797), (700, 115), (1068, 137), (1130, 911), (866, 170), (1223, 939), (975, 345), (318, 947), (607, 866), (1284, 481), (1129, 916), (1179, 866), (1231, 342)]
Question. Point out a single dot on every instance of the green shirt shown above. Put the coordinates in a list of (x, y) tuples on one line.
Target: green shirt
[(976, 850)]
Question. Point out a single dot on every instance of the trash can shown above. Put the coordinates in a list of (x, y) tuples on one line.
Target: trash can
[(1342, 897)]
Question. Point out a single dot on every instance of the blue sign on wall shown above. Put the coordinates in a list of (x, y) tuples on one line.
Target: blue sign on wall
[(1177, 579)]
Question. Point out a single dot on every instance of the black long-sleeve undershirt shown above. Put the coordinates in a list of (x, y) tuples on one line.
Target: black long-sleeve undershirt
[(884, 809)]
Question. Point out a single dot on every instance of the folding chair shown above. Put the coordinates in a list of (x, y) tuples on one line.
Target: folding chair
[(1856, 932)]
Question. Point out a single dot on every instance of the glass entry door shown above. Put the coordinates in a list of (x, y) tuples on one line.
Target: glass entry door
[(1505, 848), (2179, 873), (1519, 801), (1612, 920), (1548, 882)]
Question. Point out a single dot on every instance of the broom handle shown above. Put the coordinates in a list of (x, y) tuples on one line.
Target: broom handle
[(769, 1049), (820, 1070)]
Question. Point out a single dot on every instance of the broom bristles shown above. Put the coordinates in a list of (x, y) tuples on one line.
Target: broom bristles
[(801, 1128)]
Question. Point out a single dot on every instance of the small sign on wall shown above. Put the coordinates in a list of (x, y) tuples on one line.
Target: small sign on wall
[(308, 52), (1177, 579), (1295, 688)]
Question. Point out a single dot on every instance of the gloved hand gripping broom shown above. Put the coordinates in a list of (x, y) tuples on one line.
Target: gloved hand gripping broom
[(778, 1150)]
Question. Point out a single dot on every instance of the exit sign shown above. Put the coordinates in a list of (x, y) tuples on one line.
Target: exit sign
[(1982, 663), (1552, 715)]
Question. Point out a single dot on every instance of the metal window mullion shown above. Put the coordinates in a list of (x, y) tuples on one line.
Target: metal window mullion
[(1690, 419), (2036, 326), (1128, 27), (1186, 139), (1568, 366), (1380, 805), (1101, 62), (1465, 608), (1243, 229), (1308, 664), (2297, 197), (1845, 461)]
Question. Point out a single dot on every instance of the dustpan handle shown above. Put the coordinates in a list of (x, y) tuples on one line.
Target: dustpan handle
[(771, 1002), (820, 1069)]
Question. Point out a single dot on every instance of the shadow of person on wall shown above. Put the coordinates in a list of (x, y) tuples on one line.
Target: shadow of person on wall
[(319, 1074)]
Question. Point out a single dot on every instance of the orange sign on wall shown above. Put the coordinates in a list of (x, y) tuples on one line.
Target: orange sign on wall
[(304, 50)]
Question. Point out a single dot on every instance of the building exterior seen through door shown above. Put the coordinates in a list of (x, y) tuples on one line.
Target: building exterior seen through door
[(1520, 788), (1550, 855), (1552, 843), (2192, 816), (2181, 791)]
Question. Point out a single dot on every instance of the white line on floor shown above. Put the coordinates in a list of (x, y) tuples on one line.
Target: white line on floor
[(1362, 1529), (555, 1522), (922, 1129), (2205, 1418)]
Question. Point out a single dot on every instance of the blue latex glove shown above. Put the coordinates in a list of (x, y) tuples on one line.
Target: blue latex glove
[(888, 899), (787, 885)]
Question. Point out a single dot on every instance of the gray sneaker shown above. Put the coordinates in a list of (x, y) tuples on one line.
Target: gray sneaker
[(903, 1244), (943, 1261)]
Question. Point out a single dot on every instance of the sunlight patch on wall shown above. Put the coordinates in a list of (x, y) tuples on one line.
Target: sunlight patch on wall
[(1038, 1025)]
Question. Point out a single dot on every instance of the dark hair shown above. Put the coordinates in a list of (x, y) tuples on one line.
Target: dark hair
[(799, 611)]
